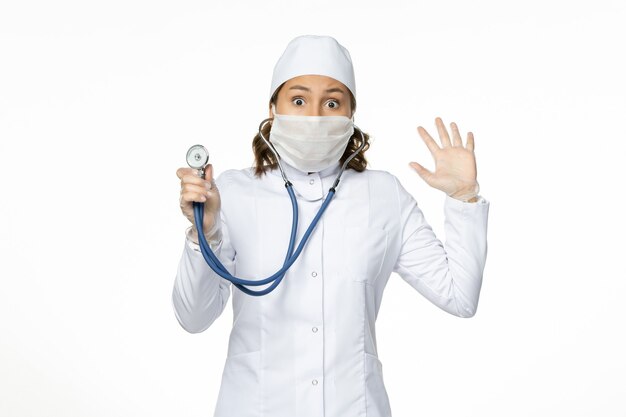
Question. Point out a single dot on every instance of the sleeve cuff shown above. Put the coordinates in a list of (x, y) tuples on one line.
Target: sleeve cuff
[(452, 200), (214, 244), (464, 208)]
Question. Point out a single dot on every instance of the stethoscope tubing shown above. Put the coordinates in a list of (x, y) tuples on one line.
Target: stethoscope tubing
[(290, 257)]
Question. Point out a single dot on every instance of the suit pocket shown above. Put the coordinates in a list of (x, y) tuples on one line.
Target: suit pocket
[(377, 399), (363, 252), (240, 390)]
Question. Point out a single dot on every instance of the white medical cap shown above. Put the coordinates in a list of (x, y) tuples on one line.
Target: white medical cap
[(312, 54)]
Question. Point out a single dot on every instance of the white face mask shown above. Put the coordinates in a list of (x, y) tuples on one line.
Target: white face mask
[(310, 143)]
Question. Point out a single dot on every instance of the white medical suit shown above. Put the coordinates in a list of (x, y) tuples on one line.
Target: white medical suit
[(308, 349)]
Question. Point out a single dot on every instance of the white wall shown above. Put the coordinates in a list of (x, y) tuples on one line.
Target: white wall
[(99, 102)]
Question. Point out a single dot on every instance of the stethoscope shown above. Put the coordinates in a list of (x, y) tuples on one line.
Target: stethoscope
[(198, 158)]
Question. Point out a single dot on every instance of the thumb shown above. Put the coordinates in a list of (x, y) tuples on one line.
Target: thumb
[(208, 175), (422, 172)]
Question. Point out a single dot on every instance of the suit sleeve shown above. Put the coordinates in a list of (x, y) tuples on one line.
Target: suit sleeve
[(200, 294), (449, 276)]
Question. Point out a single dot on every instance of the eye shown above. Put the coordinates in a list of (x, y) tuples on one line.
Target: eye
[(333, 104), (298, 101)]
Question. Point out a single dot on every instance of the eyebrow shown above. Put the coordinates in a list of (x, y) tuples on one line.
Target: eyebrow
[(330, 90)]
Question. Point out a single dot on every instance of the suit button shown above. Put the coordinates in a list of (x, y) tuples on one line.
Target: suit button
[(312, 181)]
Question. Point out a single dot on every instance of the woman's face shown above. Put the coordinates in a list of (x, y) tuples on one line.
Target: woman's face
[(313, 95)]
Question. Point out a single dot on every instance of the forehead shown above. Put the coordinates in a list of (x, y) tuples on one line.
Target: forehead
[(314, 81)]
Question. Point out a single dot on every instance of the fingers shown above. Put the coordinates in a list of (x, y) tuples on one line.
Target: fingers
[(428, 140), (443, 132), (456, 135), (445, 138), (470, 141), (190, 197), (194, 192), (190, 176), (443, 135), (193, 188), (181, 172)]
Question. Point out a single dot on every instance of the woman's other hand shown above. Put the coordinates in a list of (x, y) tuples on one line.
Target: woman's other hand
[(193, 188), (455, 164)]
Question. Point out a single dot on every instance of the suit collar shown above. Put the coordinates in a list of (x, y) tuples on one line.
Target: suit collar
[(313, 186), (293, 173)]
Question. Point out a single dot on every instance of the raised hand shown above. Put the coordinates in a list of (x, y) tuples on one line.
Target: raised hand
[(455, 164)]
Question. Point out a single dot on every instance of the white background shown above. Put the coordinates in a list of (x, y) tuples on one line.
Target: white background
[(99, 101)]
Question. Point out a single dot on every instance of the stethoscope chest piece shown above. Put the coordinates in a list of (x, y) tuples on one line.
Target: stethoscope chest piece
[(198, 158)]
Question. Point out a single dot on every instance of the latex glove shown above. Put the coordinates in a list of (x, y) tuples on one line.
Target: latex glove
[(204, 190), (455, 165)]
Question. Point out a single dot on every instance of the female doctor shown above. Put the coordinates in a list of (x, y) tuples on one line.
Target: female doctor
[(308, 348)]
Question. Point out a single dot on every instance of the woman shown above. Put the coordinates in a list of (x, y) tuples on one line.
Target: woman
[(308, 348)]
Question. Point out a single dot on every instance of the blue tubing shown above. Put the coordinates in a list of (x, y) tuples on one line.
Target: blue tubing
[(290, 258)]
